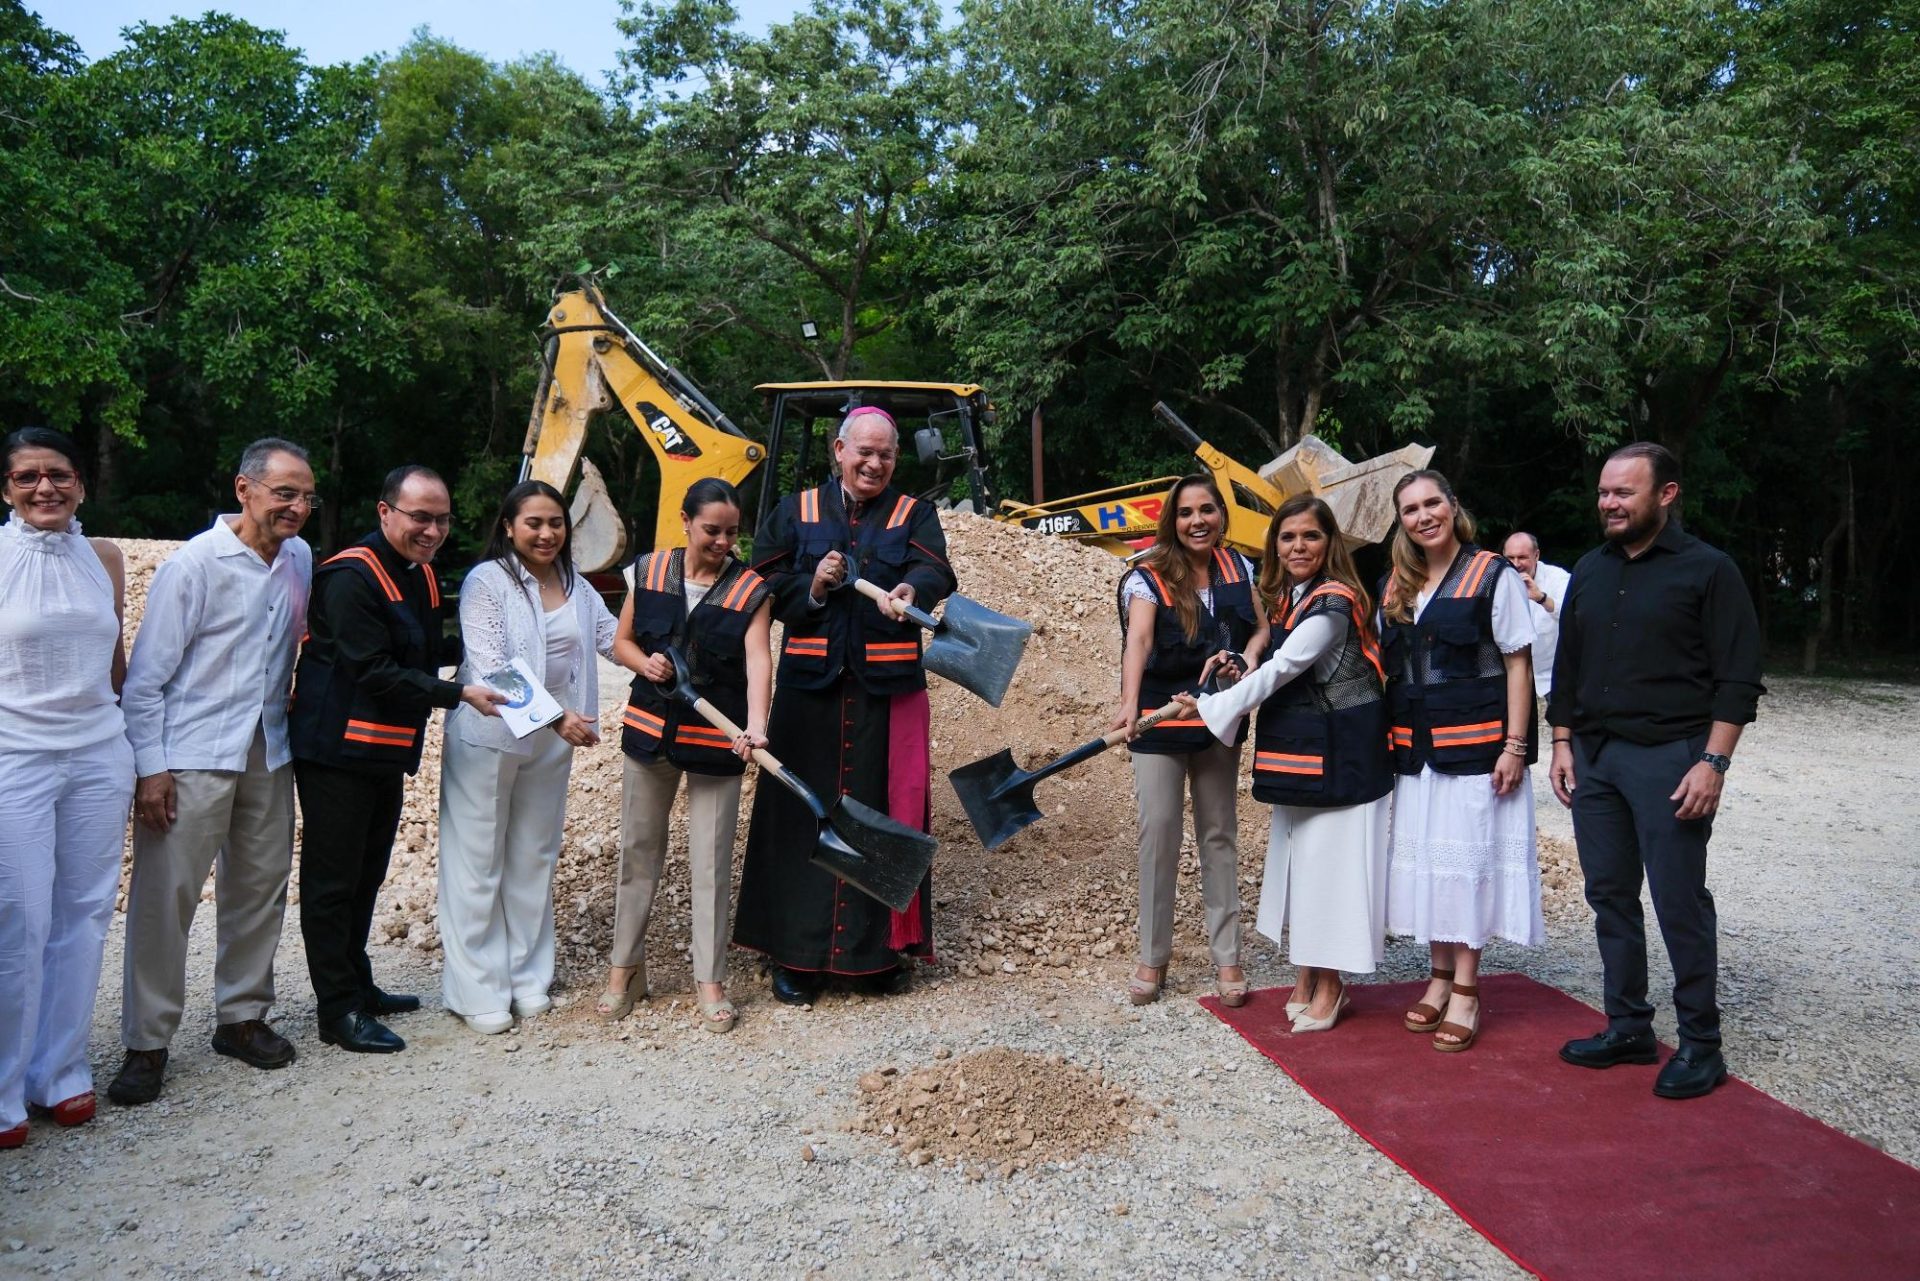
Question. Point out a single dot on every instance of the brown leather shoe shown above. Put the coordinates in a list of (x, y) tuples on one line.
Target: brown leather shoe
[(253, 1042), (139, 1079)]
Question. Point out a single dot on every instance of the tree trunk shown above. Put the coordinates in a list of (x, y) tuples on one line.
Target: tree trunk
[(1810, 655)]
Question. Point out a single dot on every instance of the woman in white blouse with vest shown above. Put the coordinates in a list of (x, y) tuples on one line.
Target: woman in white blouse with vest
[(503, 801), (66, 779)]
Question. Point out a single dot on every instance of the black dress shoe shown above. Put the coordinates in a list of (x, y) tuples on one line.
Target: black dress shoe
[(894, 982), (362, 1033), (1610, 1049), (140, 1078), (795, 987), (380, 1003), (253, 1042), (1690, 1073)]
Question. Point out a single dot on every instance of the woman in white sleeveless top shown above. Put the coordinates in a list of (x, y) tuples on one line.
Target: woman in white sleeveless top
[(503, 800), (66, 780)]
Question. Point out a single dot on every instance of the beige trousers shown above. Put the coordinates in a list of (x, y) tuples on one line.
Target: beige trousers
[(239, 824), (1161, 784), (713, 811)]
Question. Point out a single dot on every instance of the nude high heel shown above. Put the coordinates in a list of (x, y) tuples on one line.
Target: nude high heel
[(1305, 1023)]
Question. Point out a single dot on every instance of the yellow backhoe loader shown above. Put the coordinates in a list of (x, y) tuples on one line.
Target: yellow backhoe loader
[(592, 361), (1122, 519)]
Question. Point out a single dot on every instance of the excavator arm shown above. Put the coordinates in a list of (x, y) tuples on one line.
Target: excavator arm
[(593, 362)]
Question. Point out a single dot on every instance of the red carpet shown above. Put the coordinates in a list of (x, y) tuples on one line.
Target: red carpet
[(1582, 1174)]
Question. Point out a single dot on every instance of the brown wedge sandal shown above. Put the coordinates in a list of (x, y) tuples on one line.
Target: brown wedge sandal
[(1424, 1018), (1464, 1036)]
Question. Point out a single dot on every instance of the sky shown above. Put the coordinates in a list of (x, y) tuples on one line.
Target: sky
[(580, 32)]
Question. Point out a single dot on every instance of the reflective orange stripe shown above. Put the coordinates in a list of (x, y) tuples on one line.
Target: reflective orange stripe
[(805, 646), (366, 556), (701, 736), (901, 510), (1467, 735), (1159, 585), (1288, 763), (1401, 735), (893, 651), (656, 580), (380, 735), (743, 587), (1228, 564), (810, 507), (643, 721), (433, 585), (1476, 573)]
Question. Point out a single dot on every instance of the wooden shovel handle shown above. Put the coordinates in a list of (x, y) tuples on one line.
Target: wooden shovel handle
[(1113, 738), (719, 720), (898, 610)]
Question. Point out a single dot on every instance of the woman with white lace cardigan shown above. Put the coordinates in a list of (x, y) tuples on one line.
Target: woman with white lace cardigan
[(503, 801), (66, 779)]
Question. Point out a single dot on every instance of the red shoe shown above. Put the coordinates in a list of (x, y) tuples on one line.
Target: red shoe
[(14, 1138), (77, 1110)]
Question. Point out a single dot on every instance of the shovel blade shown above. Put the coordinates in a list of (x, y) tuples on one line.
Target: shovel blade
[(997, 796), (877, 855), (977, 648)]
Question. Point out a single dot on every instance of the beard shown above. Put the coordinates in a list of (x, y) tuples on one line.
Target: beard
[(1637, 528)]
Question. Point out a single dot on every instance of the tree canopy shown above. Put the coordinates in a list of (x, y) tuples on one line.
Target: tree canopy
[(1521, 232)]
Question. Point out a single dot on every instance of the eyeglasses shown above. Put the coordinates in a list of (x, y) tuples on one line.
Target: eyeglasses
[(32, 479), (443, 520), (293, 496)]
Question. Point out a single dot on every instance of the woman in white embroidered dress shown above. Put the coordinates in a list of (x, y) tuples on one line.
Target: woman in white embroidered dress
[(66, 779), (1325, 883), (1463, 867), (503, 800)]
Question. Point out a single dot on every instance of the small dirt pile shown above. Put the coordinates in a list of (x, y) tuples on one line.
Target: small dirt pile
[(999, 1109)]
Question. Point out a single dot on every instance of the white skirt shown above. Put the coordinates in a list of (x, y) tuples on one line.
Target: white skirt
[(1326, 885), (1464, 868)]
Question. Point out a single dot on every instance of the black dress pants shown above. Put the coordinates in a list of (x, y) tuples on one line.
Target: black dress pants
[(1624, 825), (348, 823)]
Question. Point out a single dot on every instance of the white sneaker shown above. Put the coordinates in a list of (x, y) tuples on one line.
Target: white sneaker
[(532, 1006), (488, 1024)]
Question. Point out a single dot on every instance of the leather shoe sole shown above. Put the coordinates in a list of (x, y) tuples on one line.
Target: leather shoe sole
[(140, 1078), (791, 989), (361, 1034), (256, 1051), (1640, 1053), (1685, 1079)]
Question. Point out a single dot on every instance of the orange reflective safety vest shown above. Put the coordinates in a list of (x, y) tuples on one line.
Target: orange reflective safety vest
[(335, 720), (897, 535), (1446, 680), (712, 637), (1323, 743), (1174, 665)]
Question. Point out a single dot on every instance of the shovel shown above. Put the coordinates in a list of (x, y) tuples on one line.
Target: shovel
[(870, 851), (998, 795), (972, 646)]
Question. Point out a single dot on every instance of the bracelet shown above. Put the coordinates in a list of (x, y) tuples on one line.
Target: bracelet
[(1513, 749)]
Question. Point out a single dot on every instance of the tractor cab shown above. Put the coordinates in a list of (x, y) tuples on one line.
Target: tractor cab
[(942, 430)]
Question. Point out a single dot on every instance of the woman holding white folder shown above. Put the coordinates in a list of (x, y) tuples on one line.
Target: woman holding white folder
[(503, 800)]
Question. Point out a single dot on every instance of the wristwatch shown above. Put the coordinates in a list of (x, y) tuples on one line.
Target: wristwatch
[(1717, 761)]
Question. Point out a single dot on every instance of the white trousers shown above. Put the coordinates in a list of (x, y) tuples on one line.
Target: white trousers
[(63, 823), (501, 821)]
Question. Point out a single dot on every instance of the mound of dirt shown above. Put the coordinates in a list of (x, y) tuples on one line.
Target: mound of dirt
[(997, 1109)]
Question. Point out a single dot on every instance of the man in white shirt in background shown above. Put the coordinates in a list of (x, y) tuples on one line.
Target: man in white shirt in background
[(1546, 590), (206, 708)]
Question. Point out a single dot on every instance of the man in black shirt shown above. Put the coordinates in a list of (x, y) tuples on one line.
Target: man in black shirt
[(1657, 672)]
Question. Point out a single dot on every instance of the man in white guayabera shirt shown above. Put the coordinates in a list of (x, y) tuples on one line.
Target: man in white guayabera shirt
[(206, 707)]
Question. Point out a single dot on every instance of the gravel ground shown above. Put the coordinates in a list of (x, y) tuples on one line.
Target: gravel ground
[(566, 1148)]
